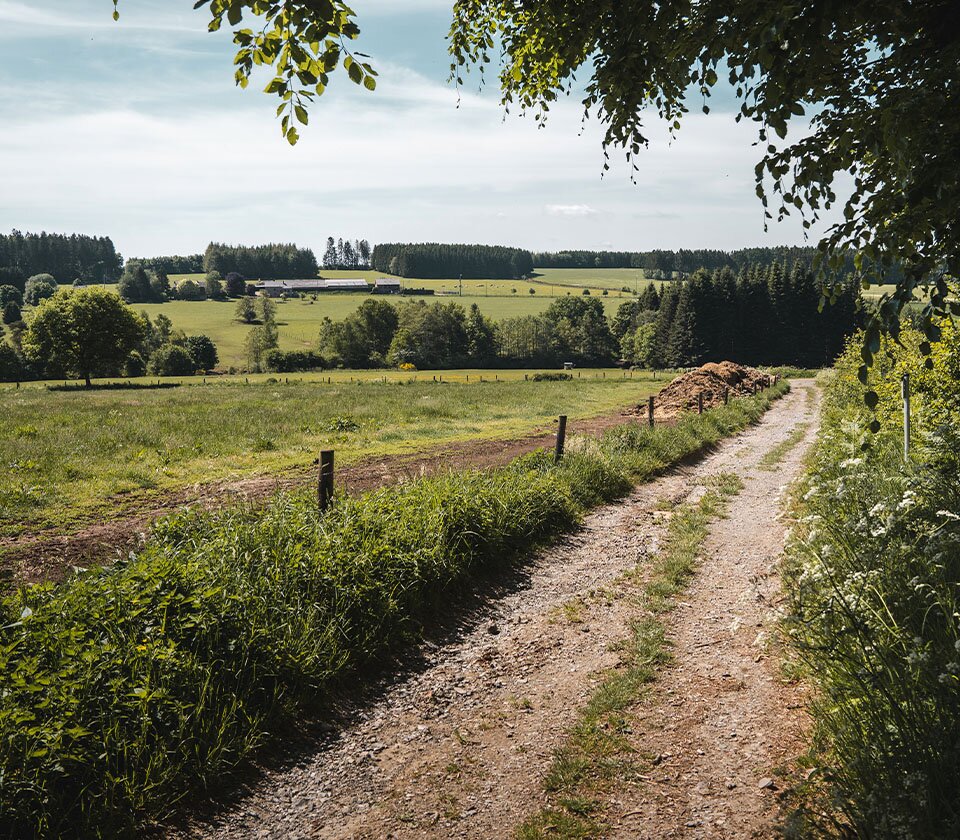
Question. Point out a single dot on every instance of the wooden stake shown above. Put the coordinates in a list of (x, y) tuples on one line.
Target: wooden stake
[(700, 403), (650, 411), (325, 482), (561, 438)]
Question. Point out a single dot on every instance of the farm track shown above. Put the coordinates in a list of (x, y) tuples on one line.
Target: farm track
[(43, 556), (458, 744)]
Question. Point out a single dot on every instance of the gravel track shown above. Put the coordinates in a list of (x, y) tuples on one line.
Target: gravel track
[(458, 747)]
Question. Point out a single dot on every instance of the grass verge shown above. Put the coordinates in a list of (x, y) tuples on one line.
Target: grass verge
[(872, 571), (597, 751), (129, 688)]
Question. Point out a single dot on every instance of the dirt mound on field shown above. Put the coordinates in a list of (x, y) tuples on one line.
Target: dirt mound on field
[(712, 380)]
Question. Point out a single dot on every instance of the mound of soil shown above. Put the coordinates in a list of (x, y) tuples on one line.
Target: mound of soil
[(712, 380)]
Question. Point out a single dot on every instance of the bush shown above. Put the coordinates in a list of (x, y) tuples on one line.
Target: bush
[(12, 367), (10, 294), (11, 313), (135, 365), (188, 290), (552, 377), (280, 361), (874, 582), (203, 352), (171, 360), (39, 287)]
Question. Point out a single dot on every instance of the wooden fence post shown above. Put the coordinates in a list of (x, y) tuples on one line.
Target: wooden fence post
[(700, 403), (726, 396), (650, 411), (561, 438), (325, 483)]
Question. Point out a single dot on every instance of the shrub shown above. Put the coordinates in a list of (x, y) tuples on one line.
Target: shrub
[(135, 365), (171, 360), (10, 294), (39, 287), (552, 377), (280, 361), (874, 582), (11, 312), (202, 351), (188, 290)]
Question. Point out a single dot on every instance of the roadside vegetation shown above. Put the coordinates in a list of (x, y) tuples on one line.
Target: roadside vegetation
[(131, 687), (73, 455), (872, 573)]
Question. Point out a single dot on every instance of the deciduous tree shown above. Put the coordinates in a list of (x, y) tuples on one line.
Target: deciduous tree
[(85, 332)]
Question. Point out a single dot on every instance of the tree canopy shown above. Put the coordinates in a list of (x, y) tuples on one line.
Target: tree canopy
[(85, 332)]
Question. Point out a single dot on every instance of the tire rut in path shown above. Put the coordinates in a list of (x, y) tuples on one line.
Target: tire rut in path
[(459, 748)]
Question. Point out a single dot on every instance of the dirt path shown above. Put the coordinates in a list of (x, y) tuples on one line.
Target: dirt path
[(459, 748), (42, 556)]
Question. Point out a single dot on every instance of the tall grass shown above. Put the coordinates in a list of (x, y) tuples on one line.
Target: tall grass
[(74, 457), (874, 577), (128, 688)]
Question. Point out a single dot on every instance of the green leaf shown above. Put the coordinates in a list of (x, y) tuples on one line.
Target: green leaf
[(301, 113), (871, 399), (369, 83)]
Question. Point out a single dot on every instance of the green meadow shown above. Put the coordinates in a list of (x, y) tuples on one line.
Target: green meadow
[(71, 456)]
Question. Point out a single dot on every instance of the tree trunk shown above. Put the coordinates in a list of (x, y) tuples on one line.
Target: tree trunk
[(87, 377)]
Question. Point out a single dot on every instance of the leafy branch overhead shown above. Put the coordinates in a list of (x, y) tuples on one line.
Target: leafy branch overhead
[(300, 41)]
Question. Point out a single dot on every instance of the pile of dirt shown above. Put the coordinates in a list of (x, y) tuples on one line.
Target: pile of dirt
[(713, 381)]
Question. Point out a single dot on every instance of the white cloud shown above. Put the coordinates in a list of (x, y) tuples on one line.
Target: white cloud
[(165, 156), (570, 210)]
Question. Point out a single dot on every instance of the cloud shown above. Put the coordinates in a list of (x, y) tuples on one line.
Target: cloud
[(570, 210)]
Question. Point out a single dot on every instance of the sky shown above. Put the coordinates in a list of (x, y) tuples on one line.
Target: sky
[(135, 130)]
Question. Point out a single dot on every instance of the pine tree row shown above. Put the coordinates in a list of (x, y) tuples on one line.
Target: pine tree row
[(435, 260), (89, 259), (275, 261), (765, 315)]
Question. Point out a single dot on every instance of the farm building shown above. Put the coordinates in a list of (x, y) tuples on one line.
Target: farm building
[(386, 286), (346, 286), (292, 288)]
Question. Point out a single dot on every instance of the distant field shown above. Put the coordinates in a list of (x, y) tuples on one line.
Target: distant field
[(71, 456), (300, 318), (595, 278)]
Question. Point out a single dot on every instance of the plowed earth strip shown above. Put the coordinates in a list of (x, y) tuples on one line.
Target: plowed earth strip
[(43, 556), (459, 748)]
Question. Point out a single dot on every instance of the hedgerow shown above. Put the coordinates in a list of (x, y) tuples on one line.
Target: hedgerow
[(130, 687), (874, 578)]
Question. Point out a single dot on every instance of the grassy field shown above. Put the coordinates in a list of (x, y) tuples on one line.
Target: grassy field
[(300, 318), (73, 455)]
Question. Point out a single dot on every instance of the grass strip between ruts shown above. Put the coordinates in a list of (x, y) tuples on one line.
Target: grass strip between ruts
[(597, 751)]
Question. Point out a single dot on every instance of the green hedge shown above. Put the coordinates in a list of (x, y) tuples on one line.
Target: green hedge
[(130, 687), (874, 579)]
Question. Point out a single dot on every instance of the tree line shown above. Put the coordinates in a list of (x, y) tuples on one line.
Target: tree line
[(274, 261), (434, 260), (176, 264), (764, 315), (662, 264), (67, 257)]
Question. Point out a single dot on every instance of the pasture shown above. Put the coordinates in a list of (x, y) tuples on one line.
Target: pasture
[(74, 455), (300, 318)]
